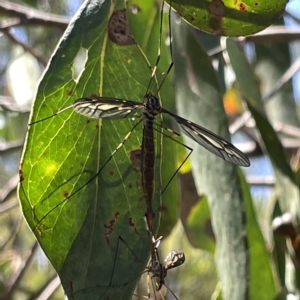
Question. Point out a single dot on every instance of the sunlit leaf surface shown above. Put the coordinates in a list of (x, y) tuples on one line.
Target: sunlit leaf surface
[(78, 224), (229, 17)]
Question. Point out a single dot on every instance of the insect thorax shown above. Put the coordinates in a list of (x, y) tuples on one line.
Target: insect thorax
[(152, 107)]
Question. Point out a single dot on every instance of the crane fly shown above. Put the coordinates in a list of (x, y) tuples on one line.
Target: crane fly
[(105, 107), (112, 108)]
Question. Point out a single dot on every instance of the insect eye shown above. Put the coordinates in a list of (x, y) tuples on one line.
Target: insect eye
[(153, 101)]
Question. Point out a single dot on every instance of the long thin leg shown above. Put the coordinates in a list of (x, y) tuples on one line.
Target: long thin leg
[(158, 50), (171, 51), (178, 142)]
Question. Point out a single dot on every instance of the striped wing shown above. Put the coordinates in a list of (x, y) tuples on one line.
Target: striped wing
[(210, 141), (174, 259), (104, 107)]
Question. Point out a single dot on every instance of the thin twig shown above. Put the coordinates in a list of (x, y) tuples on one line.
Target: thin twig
[(7, 103), (17, 277), (274, 34), (47, 289), (11, 146), (7, 205), (25, 46), (261, 180), (30, 16), (287, 75), (9, 187), (284, 79), (13, 232), (286, 129)]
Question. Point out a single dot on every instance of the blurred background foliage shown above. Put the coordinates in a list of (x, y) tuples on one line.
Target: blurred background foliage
[(30, 31)]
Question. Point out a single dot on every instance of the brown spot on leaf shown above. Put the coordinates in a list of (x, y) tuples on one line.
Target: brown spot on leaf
[(216, 24), (118, 29), (217, 8), (21, 173), (242, 7), (217, 11), (109, 227), (132, 224), (136, 156), (65, 193)]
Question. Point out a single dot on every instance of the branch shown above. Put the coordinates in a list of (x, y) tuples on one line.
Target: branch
[(8, 189), (7, 103), (31, 16), (11, 146), (47, 289), (274, 34), (17, 277), (25, 46)]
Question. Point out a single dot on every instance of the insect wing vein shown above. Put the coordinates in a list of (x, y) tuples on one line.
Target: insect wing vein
[(101, 107), (211, 141)]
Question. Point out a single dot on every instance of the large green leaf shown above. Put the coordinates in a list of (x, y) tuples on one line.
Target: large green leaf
[(199, 98), (80, 234), (229, 17)]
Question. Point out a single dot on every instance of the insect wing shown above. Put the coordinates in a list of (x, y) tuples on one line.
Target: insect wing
[(103, 107), (174, 259), (210, 141)]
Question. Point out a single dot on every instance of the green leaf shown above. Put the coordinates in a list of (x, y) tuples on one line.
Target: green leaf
[(199, 223), (199, 98), (260, 263), (80, 234), (228, 17), (279, 250)]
